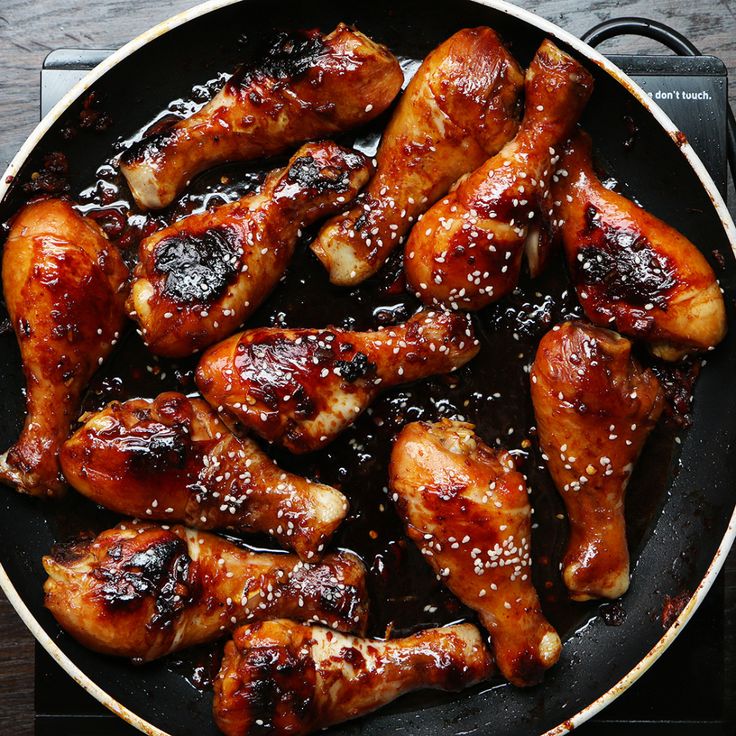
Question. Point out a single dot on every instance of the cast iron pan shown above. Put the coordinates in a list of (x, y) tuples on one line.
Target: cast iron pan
[(680, 499)]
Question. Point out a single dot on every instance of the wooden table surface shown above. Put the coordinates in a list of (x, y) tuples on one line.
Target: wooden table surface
[(29, 30)]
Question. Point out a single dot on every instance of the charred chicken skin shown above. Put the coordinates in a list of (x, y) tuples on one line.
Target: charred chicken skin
[(595, 407), (280, 677), (200, 278), (633, 272), (64, 290), (173, 459), (460, 108), (467, 250), (467, 509), (142, 591), (301, 387), (307, 86)]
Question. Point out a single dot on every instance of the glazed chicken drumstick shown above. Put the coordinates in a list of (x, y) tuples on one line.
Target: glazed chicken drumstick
[(460, 108), (280, 677), (633, 272), (467, 250), (302, 387), (307, 86), (143, 591), (173, 459), (64, 290), (467, 509), (200, 278), (595, 407)]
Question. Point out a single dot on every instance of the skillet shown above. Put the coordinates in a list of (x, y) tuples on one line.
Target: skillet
[(680, 501)]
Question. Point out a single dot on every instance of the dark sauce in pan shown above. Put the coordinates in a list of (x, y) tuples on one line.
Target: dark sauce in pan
[(492, 392)]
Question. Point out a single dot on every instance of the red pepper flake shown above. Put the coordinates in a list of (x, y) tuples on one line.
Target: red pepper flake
[(92, 116), (673, 607), (680, 138), (51, 178)]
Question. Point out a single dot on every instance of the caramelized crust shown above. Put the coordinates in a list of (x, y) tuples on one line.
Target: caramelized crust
[(302, 387), (64, 289), (633, 272), (467, 509), (595, 407), (280, 677), (307, 86), (460, 107), (143, 591), (199, 279), (172, 459), (467, 250)]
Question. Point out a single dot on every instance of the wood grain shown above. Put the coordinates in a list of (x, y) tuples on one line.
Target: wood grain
[(28, 31)]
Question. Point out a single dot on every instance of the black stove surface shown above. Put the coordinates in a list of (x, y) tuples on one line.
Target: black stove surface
[(691, 690)]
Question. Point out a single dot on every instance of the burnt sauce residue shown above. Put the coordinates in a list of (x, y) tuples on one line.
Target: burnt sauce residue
[(161, 570), (198, 267), (492, 391), (623, 264), (290, 55)]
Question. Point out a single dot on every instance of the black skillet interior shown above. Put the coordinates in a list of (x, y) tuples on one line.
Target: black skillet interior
[(680, 498)]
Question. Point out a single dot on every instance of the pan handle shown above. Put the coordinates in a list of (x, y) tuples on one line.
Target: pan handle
[(674, 40)]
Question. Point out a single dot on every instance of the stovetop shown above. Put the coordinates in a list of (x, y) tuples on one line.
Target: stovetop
[(691, 690)]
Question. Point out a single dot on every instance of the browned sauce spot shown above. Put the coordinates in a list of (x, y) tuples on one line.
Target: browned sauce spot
[(623, 264), (149, 148), (162, 571), (198, 268), (308, 173), (289, 57), (66, 553), (277, 680), (677, 381), (156, 449), (355, 368)]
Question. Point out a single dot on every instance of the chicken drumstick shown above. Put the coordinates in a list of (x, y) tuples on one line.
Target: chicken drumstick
[(173, 459), (143, 591), (200, 278), (280, 677), (307, 86), (64, 290), (595, 407), (633, 272), (302, 387), (467, 509)]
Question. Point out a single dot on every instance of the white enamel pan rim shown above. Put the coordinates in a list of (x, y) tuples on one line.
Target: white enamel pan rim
[(584, 50)]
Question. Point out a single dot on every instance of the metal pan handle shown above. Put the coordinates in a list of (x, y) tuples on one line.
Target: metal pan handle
[(674, 40)]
